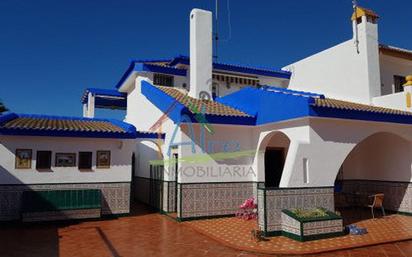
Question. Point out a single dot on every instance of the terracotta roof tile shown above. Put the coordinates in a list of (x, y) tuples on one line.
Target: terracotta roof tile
[(52, 124), (345, 105), (197, 105)]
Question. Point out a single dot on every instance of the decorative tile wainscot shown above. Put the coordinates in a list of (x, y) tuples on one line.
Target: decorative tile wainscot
[(305, 229)]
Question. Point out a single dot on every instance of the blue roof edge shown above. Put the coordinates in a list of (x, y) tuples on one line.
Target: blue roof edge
[(237, 68), (139, 65), (102, 92)]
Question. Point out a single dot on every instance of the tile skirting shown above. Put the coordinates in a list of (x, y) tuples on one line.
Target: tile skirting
[(398, 195), (115, 197), (206, 200)]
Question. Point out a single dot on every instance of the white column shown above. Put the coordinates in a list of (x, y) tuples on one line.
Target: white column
[(85, 110), (90, 105)]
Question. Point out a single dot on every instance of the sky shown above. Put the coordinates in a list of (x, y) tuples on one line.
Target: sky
[(51, 50)]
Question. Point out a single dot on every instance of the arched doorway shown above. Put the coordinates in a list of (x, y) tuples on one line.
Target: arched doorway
[(274, 149), (381, 163)]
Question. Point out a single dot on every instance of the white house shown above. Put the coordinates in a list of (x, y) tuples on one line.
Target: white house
[(219, 133), (65, 167)]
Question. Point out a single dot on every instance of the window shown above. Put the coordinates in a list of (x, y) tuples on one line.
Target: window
[(85, 160), (163, 80), (43, 160), (398, 82)]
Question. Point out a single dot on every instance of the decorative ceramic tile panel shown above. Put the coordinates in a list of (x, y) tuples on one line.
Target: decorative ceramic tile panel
[(310, 228), (213, 199), (261, 209), (172, 196), (398, 195), (115, 197), (284, 198), (290, 225)]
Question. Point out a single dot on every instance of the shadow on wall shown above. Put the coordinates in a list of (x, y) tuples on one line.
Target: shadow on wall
[(148, 150), (381, 163)]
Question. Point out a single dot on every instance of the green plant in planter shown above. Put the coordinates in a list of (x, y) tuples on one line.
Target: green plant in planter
[(310, 213)]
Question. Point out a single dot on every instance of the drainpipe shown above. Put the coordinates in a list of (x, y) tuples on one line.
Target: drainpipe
[(407, 88)]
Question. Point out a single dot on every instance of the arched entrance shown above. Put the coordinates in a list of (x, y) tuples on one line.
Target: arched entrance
[(381, 163), (273, 149)]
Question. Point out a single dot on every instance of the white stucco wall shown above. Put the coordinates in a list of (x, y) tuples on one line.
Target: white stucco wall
[(119, 171), (331, 141), (390, 66), (226, 139), (340, 72), (382, 156), (394, 101)]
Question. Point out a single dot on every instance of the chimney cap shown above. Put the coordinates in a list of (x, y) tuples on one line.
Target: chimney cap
[(360, 11), (408, 81)]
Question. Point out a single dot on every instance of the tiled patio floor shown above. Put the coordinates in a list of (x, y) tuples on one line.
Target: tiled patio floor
[(144, 234), (236, 233)]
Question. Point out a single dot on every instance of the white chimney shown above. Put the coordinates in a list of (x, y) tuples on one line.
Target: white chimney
[(201, 54), (365, 28)]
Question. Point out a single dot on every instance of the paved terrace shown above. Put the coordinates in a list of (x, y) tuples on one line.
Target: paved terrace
[(151, 234)]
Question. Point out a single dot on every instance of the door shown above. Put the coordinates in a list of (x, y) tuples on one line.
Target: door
[(274, 162)]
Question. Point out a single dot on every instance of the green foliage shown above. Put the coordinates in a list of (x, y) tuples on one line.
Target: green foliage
[(2, 108), (310, 213)]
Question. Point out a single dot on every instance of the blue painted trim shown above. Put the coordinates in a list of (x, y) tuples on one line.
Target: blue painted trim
[(159, 69), (329, 112), (140, 134), (142, 66), (61, 133), (151, 60), (290, 91), (106, 103), (237, 68), (125, 75), (268, 106), (7, 117)]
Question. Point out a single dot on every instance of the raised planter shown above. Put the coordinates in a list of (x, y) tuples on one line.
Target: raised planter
[(311, 228)]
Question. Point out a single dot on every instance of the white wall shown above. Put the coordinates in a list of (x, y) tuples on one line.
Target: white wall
[(140, 111), (394, 101), (146, 150), (120, 170), (391, 155), (226, 139), (340, 72), (391, 66)]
